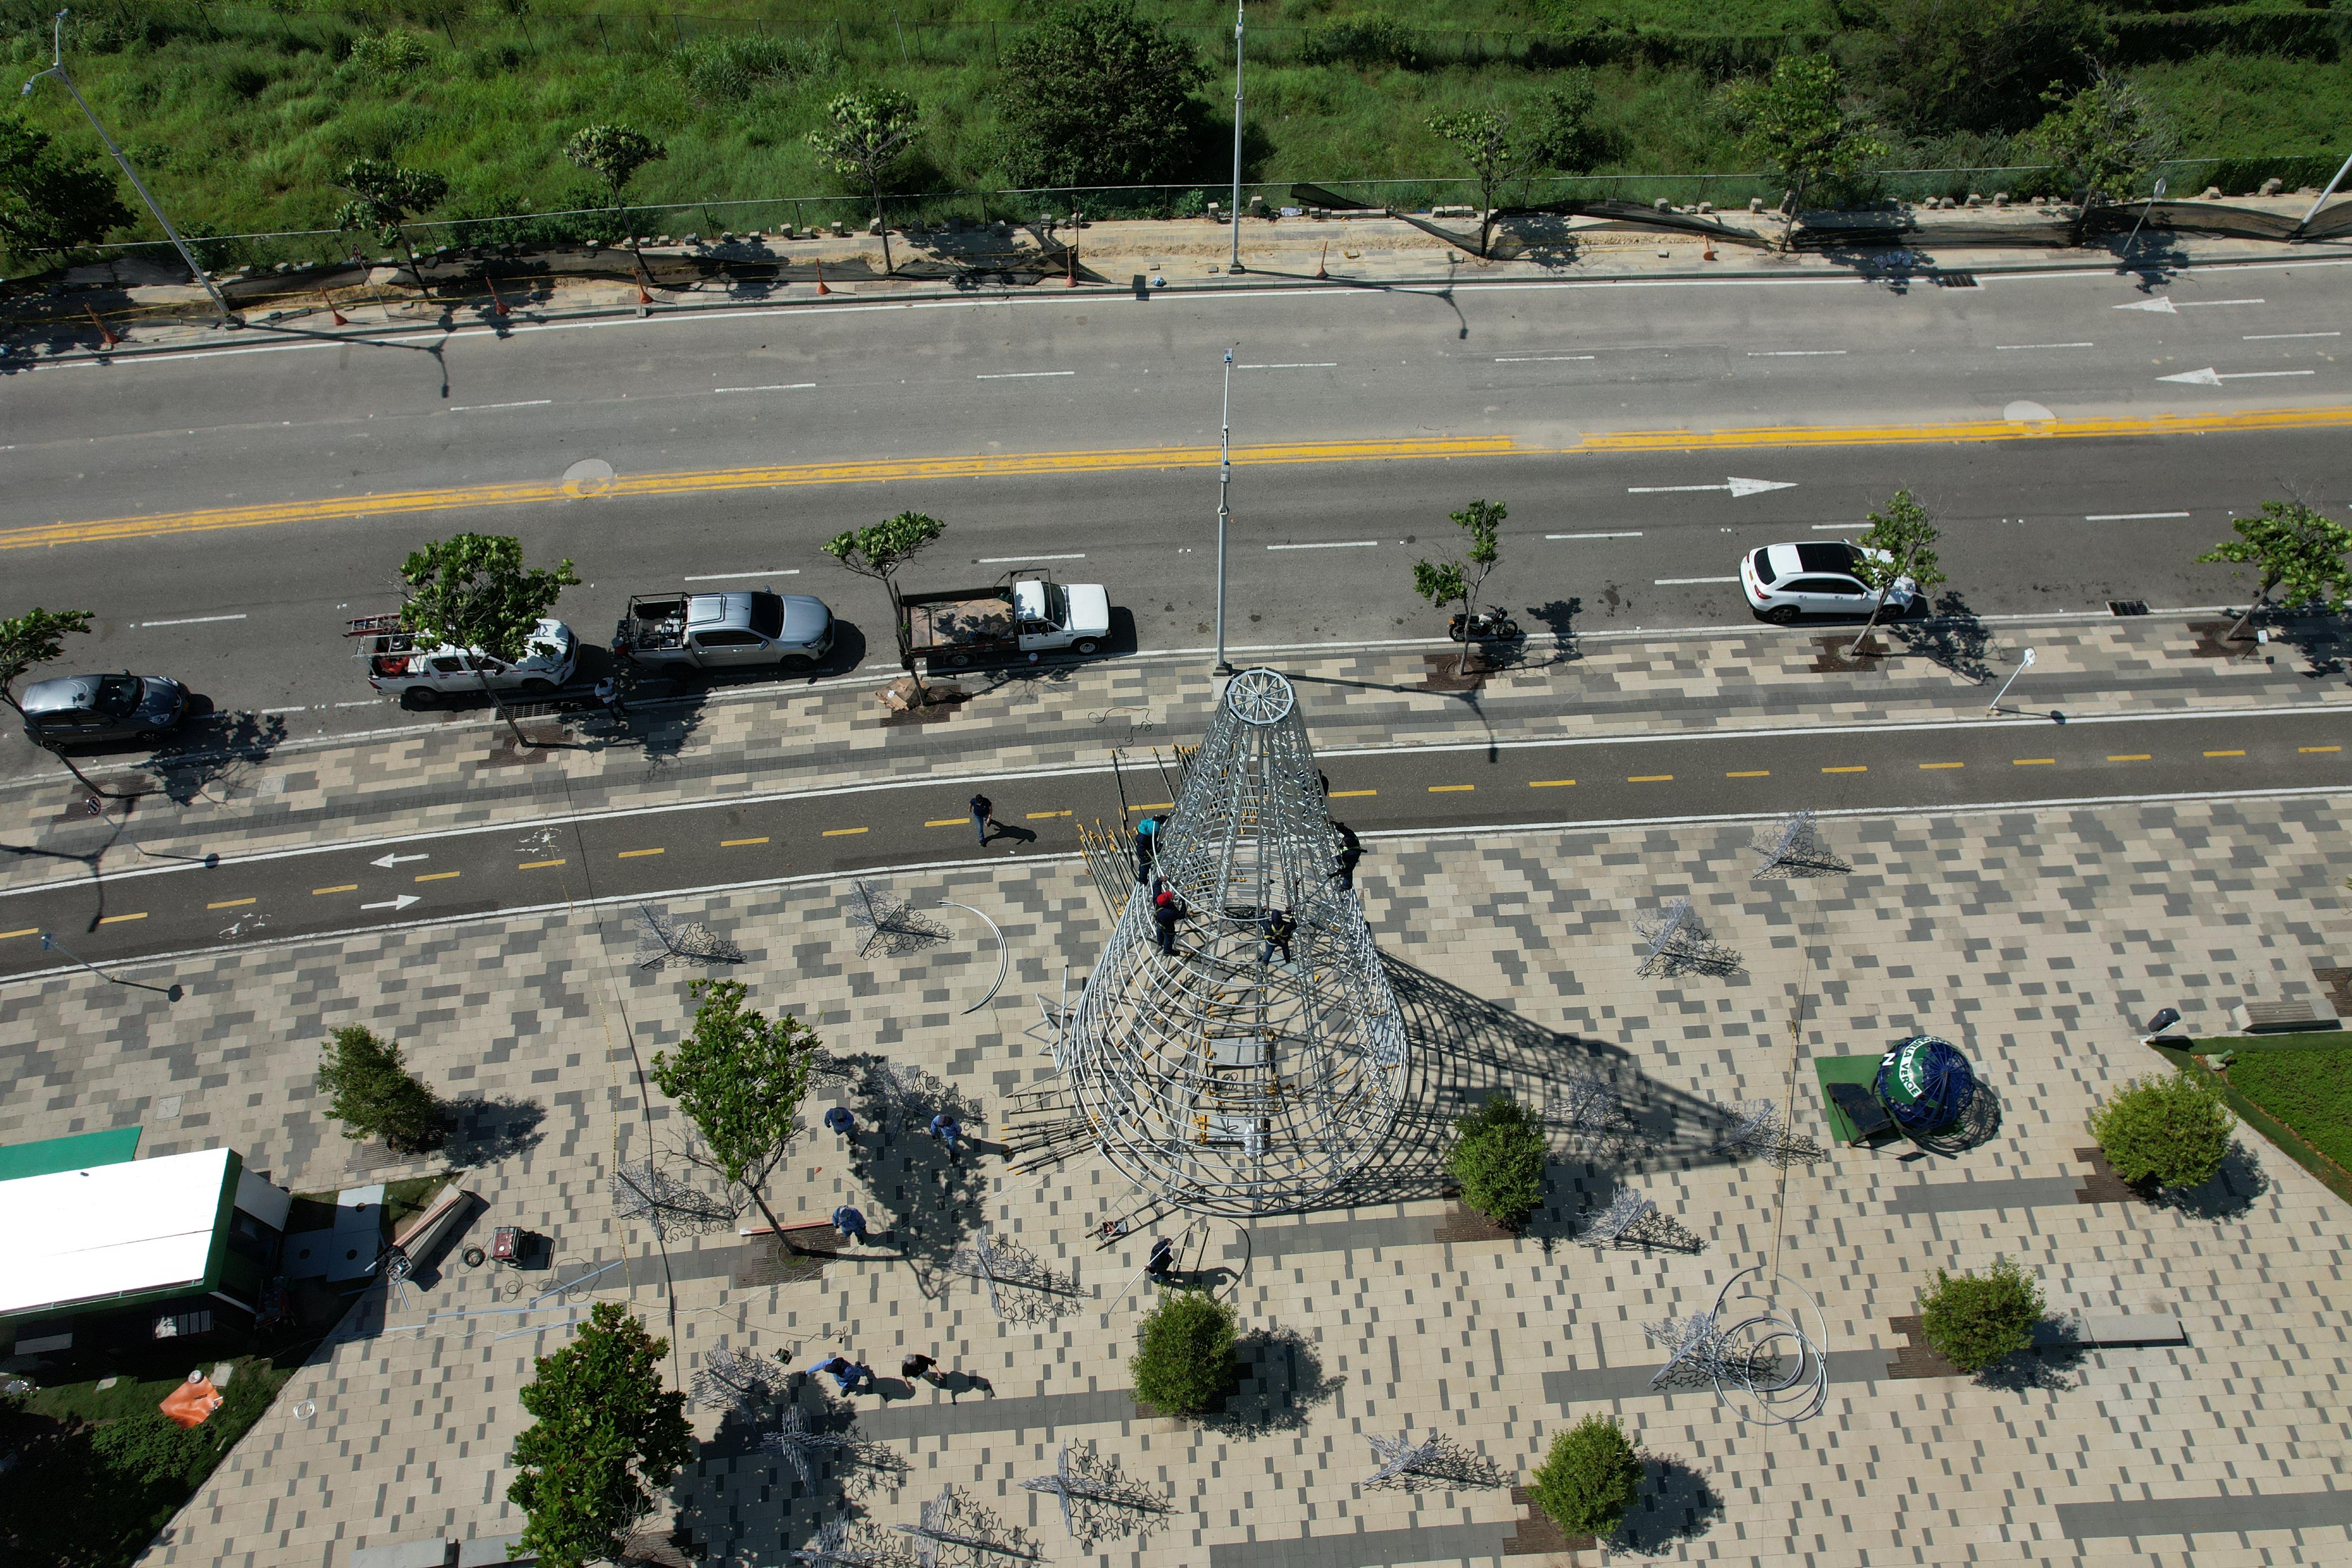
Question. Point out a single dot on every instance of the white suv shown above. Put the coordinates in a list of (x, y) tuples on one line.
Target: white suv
[(1817, 578), (422, 677)]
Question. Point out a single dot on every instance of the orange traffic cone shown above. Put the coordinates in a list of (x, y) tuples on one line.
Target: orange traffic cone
[(1708, 253), (1322, 271), (328, 300), (820, 288)]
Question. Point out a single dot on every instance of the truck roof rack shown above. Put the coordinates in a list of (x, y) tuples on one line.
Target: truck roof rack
[(371, 625)]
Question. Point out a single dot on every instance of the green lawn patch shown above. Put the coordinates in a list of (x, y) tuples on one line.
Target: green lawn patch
[(2286, 1053), (2309, 1091)]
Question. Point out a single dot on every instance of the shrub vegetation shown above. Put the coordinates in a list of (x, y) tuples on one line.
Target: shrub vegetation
[(1590, 1479), (2173, 1131), (1973, 1321), (1498, 1158), (371, 1094), (1183, 1360)]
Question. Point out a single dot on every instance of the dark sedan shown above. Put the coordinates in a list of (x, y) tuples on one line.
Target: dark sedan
[(78, 710)]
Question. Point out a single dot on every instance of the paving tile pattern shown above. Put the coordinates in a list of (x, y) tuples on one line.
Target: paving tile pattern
[(2036, 939)]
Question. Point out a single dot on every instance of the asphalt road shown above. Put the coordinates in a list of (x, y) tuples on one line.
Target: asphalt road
[(658, 850), (1323, 541)]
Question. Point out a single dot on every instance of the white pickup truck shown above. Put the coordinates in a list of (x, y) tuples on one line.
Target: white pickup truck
[(1030, 615), (422, 676)]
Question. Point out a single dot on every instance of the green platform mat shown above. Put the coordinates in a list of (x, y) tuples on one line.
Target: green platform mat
[(1861, 1069), (77, 1151)]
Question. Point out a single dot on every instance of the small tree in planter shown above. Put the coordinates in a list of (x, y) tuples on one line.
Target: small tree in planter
[(1183, 1360), (1973, 1321), (1498, 1159), (1590, 1479), (2173, 1131), (371, 1094)]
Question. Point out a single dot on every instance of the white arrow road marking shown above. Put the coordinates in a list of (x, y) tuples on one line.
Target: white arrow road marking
[(2210, 377), (2162, 304), (388, 862), (403, 901), (1736, 485)]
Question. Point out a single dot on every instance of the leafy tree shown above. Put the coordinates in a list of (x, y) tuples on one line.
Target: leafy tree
[(1097, 95), (1497, 1158), (1973, 1321), (1461, 581), (1183, 1360), (2290, 547), (2106, 138), (866, 133), (49, 199), (878, 552), (739, 1077), (615, 153), (604, 1435), (2171, 1131), (371, 1094), (27, 642), (1905, 535), (1797, 122), (1978, 65), (384, 197), (1590, 1479), (471, 591), (1502, 145)]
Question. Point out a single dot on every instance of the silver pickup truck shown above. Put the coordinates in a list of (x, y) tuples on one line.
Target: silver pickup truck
[(723, 631)]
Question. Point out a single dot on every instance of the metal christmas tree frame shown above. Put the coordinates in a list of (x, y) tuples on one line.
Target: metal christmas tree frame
[(1224, 1079)]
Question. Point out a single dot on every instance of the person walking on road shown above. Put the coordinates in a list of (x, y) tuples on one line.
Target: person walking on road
[(947, 1130), (1164, 915), (983, 816), (1279, 928), (850, 1224), (608, 692), (839, 1120)]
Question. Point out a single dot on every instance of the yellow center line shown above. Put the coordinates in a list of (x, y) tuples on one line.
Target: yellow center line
[(2129, 757), (1155, 806), (345, 887), (1651, 778), (739, 843), (2032, 761), (1450, 788), (2225, 754), (2309, 418), (440, 875), (843, 833), (1549, 783), (2310, 749), (704, 482), (1943, 765), (1862, 770), (1352, 794), (1040, 816), (635, 854), (949, 822), (1752, 773), (231, 904), (535, 865), (119, 919), (28, 931)]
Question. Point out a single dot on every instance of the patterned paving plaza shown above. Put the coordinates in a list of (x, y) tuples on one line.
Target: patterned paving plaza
[(2034, 939)]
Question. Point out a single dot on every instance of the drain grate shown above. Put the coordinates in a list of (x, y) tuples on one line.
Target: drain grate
[(1954, 279), (2127, 606)]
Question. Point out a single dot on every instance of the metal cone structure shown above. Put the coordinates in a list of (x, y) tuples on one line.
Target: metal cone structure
[(1222, 1078)]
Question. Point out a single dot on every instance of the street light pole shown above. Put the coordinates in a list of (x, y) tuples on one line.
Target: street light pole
[(1225, 511), (1235, 217), (50, 944), (2023, 665), (58, 69)]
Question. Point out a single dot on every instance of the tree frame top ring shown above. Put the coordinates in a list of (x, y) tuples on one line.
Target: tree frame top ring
[(1260, 697)]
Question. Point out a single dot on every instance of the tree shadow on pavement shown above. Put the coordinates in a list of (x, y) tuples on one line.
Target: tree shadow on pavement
[(1950, 636), (2230, 1195), (1558, 617), (933, 1199), (211, 753), (484, 1130), (1677, 1504), (1280, 1379)]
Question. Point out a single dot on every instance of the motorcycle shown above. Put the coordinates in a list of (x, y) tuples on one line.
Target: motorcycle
[(1486, 626)]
